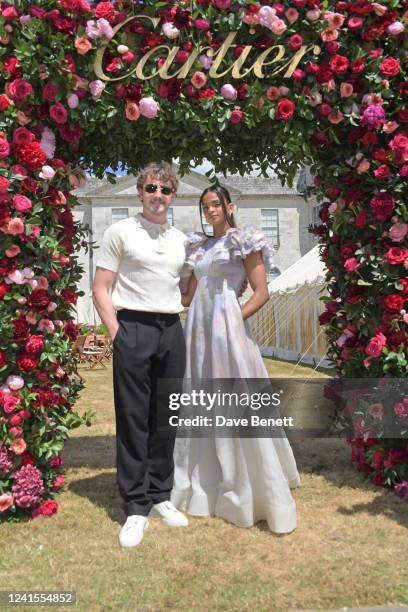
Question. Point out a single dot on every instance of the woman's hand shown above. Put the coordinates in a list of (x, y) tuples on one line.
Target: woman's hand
[(187, 290)]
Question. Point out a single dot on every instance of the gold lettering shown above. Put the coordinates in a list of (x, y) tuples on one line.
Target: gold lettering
[(140, 65), (101, 52), (260, 62), (220, 55), (239, 62)]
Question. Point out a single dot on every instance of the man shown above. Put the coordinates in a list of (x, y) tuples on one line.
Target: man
[(136, 292)]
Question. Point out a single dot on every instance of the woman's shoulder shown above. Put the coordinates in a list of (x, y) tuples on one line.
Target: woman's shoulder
[(195, 239), (247, 239)]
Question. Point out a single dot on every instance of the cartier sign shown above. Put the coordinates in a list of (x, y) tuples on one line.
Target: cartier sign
[(272, 57)]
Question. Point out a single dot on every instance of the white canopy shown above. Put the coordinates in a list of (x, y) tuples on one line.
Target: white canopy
[(308, 271)]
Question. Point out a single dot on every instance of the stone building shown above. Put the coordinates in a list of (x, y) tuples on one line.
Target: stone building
[(280, 212)]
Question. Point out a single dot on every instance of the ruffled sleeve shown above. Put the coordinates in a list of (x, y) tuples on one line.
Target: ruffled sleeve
[(194, 251), (243, 241)]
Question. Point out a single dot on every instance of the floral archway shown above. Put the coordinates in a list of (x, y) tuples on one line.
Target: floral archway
[(86, 87)]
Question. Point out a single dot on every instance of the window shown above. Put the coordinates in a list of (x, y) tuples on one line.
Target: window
[(170, 216), (119, 213), (315, 215), (270, 225)]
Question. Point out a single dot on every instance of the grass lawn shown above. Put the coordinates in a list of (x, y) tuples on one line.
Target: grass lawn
[(348, 549)]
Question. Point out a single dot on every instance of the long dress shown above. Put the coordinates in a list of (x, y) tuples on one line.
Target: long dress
[(242, 480)]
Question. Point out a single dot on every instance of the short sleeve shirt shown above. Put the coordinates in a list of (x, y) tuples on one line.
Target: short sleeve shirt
[(148, 259)]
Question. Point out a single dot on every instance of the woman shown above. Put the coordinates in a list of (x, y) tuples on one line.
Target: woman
[(242, 480)]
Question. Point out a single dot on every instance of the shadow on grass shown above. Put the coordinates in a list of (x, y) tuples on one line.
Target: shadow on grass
[(102, 491), (330, 458), (93, 452)]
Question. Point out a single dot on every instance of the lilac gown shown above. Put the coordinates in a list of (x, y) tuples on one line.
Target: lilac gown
[(242, 480)]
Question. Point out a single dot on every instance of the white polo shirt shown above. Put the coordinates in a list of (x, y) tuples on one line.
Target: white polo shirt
[(147, 258)]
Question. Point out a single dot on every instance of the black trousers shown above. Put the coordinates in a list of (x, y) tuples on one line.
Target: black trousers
[(148, 347)]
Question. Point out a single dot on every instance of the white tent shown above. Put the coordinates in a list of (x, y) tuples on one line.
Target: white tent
[(287, 327)]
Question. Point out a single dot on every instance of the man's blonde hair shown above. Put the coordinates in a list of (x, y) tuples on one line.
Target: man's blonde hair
[(163, 170)]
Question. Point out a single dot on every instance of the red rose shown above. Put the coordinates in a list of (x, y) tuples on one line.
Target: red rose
[(39, 299), (34, 345), (361, 219), (207, 93), (339, 64), (22, 136), (21, 203), (49, 507), (382, 172), (4, 184), (70, 134), (382, 205), (3, 359), (390, 67), (3, 290), (10, 65), (19, 89), (285, 110), (399, 143), (104, 10), (295, 41), (58, 113), (21, 330), (32, 155), (69, 295), (26, 363), (381, 155), (5, 102), (357, 66), (49, 91), (404, 283), (396, 255), (369, 139), (403, 115), (242, 91), (236, 116), (71, 330), (394, 302)]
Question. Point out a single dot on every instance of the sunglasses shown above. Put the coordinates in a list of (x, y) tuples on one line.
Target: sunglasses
[(152, 188)]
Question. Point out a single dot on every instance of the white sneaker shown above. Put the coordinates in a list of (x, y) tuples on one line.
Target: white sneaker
[(132, 531), (169, 514)]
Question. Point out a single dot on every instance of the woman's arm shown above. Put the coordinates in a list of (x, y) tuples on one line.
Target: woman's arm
[(188, 290), (256, 273)]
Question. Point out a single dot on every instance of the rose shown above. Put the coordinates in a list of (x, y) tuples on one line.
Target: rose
[(22, 203), (229, 92), (393, 302), (5, 502), (19, 89), (50, 506), (285, 110), (47, 173), (390, 67), (382, 205), (148, 107), (396, 255), (401, 410), (398, 231), (39, 299), (399, 143), (382, 172), (3, 359), (4, 184), (69, 295), (198, 79), (96, 88), (10, 403), (58, 113), (339, 64), (18, 446), (236, 116), (351, 264), (82, 45), (31, 155), (376, 411), (22, 136), (34, 345), (375, 347), (20, 330), (15, 383), (4, 148), (26, 363), (132, 111)]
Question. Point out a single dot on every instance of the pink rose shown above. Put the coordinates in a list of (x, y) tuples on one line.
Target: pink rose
[(4, 148), (96, 88), (10, 403), (58, 113), (5, 502), (14, 227), (13, 250), (47, 173), (229, 92), (198, 79), (148, 107), (22, 136), (292, 15), (351, 264), (73, 101), (15, 383), (376, 411), (346, 90), (22, 203), (278, 27), (18, 446), (375, 347), (132, 111), (398, 231)]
